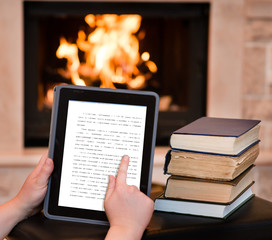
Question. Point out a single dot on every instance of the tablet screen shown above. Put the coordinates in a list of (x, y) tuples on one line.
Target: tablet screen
[(97, 136), (91, 129)]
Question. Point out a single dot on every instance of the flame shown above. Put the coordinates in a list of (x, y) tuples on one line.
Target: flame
[(70, 52), (145, 56), (111, 52)]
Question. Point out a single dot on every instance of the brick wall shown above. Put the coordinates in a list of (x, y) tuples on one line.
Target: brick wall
[(257, 67)]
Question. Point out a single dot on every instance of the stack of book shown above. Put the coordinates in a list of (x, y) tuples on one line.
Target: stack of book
[(210, 163)]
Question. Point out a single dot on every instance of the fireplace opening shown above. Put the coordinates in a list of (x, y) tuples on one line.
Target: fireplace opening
[(171, 56)]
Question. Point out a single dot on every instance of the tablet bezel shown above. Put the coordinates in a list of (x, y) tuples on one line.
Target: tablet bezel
[(62, 95)]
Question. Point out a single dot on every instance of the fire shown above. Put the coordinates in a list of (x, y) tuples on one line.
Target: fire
[(111, 53), (70, 52)]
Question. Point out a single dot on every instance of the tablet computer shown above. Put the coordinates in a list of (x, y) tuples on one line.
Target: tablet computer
[(91, 129)]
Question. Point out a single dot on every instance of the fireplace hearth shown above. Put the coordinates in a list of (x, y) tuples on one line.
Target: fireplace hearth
[(175, 36)]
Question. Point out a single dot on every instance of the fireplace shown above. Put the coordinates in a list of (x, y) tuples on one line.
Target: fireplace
[(227, 64), (175, 35)]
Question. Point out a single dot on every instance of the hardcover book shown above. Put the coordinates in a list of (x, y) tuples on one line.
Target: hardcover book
[(201, 208), (224, 136), (209, 166), (198, 189)]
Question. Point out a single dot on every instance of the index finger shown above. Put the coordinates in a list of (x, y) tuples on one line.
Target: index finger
[(122, 172)]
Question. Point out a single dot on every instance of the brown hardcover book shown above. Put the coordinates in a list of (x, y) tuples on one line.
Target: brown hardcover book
[(198, 189), (210, 166)]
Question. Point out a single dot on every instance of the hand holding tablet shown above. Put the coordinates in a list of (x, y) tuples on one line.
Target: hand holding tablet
[(128, 209), (91, 129)]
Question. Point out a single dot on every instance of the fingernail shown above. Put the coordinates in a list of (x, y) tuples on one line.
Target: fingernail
[(111, 178), (126, 157), (48, 162)]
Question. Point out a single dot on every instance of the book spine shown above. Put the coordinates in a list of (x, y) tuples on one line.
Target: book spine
[(167, 161)]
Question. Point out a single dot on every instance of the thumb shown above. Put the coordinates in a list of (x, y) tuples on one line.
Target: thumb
[(45, 172), (111, 186)]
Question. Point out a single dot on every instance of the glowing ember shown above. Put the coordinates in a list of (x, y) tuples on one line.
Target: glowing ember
[(111, 53)]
